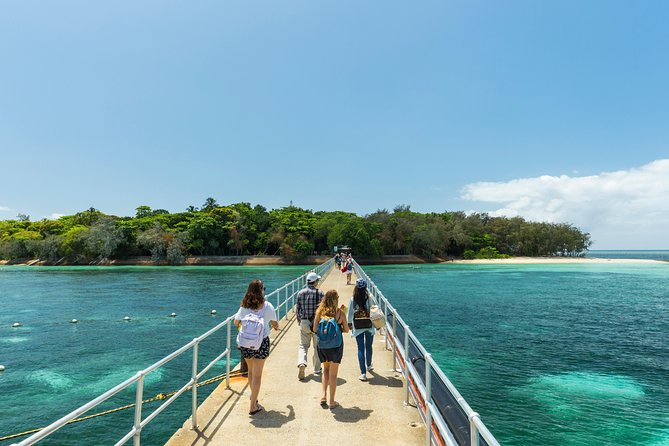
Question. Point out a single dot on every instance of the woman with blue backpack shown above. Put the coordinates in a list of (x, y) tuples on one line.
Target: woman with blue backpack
[(361, 326), (329, 324), (254, 318)]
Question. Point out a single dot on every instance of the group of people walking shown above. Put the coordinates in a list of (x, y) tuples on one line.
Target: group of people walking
[(322, 323), (344, 262)]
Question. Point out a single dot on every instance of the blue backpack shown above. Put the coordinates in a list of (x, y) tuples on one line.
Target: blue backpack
[(328, 333)]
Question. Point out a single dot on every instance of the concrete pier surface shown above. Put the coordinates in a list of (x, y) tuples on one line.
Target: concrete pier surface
[(370, 412)]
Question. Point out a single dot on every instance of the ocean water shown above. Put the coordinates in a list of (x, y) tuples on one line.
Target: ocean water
[(633, 254), (53, 366), (547, 354)]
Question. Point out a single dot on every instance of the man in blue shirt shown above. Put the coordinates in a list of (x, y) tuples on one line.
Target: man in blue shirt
[(308, 299)]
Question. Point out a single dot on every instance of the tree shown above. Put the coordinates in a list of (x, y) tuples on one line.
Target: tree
[(155, 240), (209, 204), (103, 238), (142, 211)]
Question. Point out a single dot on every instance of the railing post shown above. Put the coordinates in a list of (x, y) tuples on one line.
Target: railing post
[(227, 367), (194, 388), (278, 305), (395, 342), (406, 358), (428, 398), (473, 430), (385, 315), (139, 396)]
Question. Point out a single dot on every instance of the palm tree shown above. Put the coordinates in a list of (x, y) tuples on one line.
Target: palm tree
[(209, 204)]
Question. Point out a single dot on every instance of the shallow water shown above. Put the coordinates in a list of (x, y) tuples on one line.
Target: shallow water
[(54, 366), (547, 354)]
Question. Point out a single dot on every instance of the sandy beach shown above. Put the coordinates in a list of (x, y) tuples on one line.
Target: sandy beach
[(551, 260)]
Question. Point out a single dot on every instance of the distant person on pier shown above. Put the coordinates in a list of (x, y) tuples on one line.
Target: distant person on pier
[(349, 269), (308, 299), (330, 317), (361, 326), (253, 311)]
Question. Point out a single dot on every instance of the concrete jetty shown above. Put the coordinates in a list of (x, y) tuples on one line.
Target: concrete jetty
[(370, 412)]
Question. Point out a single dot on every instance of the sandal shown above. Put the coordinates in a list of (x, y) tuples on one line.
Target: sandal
[(336, 405), (253, 412), (324, 404)]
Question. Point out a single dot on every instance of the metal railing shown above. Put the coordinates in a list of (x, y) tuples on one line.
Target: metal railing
[(289, 291), (447, 416)]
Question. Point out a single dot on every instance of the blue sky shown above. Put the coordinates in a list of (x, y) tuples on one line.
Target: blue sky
[(550, 110)]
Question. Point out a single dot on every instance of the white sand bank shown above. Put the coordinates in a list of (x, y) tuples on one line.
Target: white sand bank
[(552, 260)]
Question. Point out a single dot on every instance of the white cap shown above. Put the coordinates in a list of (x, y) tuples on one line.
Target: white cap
[(313, 277)]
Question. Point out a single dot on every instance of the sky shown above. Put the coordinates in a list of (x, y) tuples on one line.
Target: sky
[(552, 110)]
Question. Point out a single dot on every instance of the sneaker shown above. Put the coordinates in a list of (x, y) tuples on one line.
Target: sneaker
[(370, 367), (300, 372), (363, 377), (318, 372)]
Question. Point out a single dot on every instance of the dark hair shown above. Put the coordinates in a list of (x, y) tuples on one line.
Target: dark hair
[(360, 297), (254, 297)]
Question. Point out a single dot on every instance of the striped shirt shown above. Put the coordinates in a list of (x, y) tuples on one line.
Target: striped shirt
[(308, 299)]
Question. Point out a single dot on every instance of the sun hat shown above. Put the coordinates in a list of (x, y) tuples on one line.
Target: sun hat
[(313, 277), (361, 283)]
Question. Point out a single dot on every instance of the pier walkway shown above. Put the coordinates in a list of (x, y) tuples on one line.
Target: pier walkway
[(371, 412)]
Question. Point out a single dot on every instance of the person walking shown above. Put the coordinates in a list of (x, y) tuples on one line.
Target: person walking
[(330, 357), (361, 326), (308, 299), (349, 270), (253, 311)]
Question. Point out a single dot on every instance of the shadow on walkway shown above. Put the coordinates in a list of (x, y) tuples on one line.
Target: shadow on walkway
[(390, 381), (273, 418), (351, 414)]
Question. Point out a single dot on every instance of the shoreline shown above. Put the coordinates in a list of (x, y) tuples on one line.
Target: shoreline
[(316, 260), (552, 260)]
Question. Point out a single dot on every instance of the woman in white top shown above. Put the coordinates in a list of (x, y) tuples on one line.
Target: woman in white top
[(254, 302), (358, 308)]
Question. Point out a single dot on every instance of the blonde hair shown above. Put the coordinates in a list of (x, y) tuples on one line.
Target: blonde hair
[(328, 306)]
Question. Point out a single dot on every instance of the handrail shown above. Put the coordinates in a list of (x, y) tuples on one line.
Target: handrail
[(289, 301), (421, 385)]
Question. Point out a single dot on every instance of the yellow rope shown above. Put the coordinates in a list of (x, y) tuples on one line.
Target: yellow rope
[(158, 397)]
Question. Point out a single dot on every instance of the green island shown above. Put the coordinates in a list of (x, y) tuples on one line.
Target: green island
[(290, 232)]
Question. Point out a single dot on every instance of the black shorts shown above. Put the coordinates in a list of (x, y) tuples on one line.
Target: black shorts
[(261, 353), (331, 354)]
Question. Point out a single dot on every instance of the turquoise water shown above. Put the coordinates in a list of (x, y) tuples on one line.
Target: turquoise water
[(634, 254), (53, 367), (547, 354)]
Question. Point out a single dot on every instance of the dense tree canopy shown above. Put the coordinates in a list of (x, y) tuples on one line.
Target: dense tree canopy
[(292, 232)]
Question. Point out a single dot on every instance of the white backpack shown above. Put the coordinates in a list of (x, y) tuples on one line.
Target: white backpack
[(377, 317), (252, 331)]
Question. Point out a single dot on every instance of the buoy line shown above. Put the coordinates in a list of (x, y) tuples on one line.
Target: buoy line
[(158, 397)]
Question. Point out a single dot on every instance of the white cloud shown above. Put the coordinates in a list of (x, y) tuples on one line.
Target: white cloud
[(626, 209), (54, 216), (4, 208)]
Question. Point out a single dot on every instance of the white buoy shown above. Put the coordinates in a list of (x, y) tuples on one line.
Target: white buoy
[(17, 324), (73, 321), (213, 311), (127, 318), (173, 315), (2, 368)]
